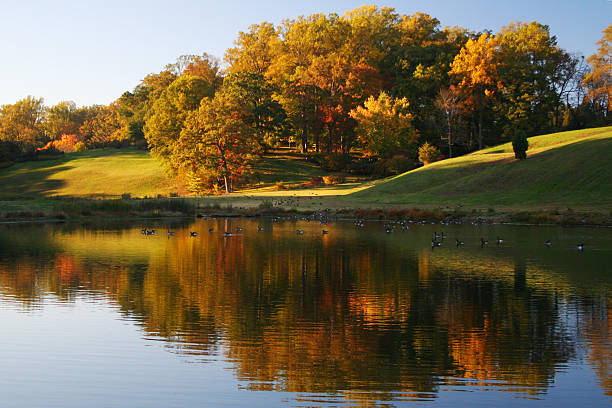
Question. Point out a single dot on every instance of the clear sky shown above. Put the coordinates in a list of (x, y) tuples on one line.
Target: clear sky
[(92, 51)]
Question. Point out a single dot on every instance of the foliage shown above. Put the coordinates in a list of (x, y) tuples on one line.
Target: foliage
[(385, 125), (520, 145), (599, 81), (163, 128), (21, 123), (428, 153), (216, 140)]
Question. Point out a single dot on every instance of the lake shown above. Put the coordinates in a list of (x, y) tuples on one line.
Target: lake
[(102, 315)]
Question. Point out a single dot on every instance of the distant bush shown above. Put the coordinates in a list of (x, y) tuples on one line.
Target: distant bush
[(334, 179), (520, 145), (80, 147), (428, 153), (316, 181)]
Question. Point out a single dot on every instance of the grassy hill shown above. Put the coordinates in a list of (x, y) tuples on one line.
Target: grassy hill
[(109, 173), (563, 170), (568, 169), (95, 173)]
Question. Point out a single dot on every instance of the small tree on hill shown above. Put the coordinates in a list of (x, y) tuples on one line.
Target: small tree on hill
[(520, 145), (428, 153)]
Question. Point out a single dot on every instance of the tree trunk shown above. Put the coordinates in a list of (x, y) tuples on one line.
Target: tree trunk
[(304, 144), (480, 130), (228, 187)]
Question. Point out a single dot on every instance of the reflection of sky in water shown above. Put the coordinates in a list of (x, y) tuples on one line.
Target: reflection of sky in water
[(88, 343)]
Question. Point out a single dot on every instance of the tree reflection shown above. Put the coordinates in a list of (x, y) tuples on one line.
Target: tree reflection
[(328, 315)]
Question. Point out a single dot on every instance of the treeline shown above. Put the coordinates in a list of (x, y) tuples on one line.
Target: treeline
[(356, 93)]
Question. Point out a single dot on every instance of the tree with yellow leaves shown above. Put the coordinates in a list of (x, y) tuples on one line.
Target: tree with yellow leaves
[(476, 68), (384, 125)]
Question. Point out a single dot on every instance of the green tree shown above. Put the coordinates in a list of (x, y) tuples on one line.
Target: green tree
[(520, 144), (164, 125), (262, 112), (216, 143)]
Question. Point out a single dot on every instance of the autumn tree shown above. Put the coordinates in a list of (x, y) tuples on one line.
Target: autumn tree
[(216, 143), (599, 81), (385, 125), (62, 119), (22, 123), (448, 103), (476, 67), (102, 127)]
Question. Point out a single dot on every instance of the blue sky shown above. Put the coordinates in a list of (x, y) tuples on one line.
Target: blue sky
[(91, 52)]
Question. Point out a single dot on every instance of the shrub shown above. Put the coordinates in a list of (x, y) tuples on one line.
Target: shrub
[(316, 181), (333, 179), (80, 147), (520, 145), (428, 153)]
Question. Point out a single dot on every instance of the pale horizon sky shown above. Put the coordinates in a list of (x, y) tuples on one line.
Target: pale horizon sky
[(92, 52)]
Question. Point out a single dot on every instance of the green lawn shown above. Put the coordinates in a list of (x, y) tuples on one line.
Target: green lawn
[(104, 173), (569, 169)]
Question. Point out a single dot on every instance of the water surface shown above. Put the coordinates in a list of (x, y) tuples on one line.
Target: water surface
[(103, 316)]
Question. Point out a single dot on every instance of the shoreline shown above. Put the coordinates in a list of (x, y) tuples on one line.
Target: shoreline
[(87, 210)]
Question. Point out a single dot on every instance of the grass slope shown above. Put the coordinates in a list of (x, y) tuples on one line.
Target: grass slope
[(95, 173), (570, 169)]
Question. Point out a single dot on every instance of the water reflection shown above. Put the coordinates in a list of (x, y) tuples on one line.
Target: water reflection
[(355, 315)]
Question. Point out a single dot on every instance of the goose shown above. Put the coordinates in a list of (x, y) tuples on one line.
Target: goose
[(227, 234), (170, 234), (260, 228), (239, 228), (500, 241), (149, 233), (443, 235), (211, 230), (483, 242), (144, 231), (300, 232), (323, 232), (435, 243), (436, 235), (580, 247), (388, 230), (459, 243), (548, 243), (153, 231), (193, 234)]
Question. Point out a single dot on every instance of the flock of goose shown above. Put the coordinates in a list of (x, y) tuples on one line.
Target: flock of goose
[(436, 241)]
